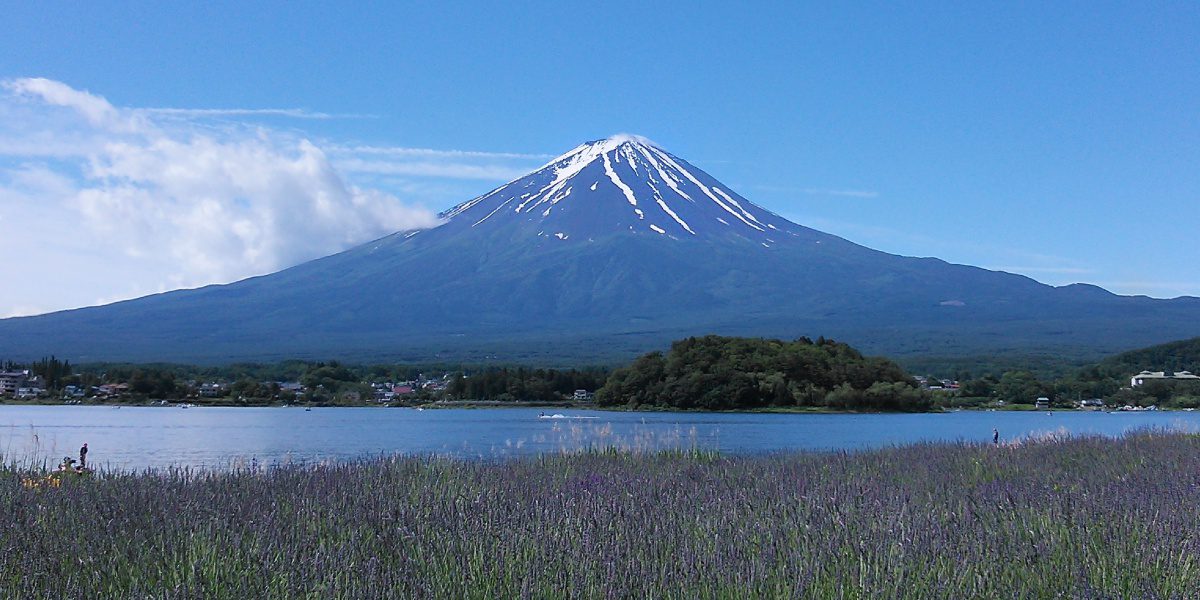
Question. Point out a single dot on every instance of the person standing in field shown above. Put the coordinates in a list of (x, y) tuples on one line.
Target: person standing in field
[(995, 437), (83, 456)]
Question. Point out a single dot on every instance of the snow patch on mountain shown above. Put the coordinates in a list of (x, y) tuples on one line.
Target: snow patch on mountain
[(608, 170), (618, 183)]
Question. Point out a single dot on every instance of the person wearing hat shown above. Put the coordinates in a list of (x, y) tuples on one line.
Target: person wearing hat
[(83, 456)]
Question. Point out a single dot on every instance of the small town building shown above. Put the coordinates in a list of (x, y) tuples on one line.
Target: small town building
[(1145, 376), (112, 390), (29, 392), (11, 381), (213, 390), (294, 387)]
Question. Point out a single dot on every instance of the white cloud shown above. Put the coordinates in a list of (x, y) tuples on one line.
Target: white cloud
[(95, 109), (106, 202)]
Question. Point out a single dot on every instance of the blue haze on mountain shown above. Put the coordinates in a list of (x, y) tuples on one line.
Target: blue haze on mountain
[(610, 250)]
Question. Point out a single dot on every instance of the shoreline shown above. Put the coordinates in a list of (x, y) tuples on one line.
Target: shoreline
[(566, 404)]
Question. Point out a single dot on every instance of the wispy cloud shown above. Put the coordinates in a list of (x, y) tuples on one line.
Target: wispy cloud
[(1049, 270), (431, 169), (1153, 288), (919, 242), (291, 113), (812, 191), (430, 152), (432, 163), (875, 236), (847, 193)]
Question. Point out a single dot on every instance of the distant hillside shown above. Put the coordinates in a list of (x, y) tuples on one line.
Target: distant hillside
[(1183, 355)]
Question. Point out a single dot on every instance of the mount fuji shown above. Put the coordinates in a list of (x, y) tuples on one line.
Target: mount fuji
[(613, 248)]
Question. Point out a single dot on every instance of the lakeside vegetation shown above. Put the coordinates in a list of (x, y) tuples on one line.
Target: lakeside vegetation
[(502, 384), (1108, 380), (1084, 517), (708, 373), (731, 373)]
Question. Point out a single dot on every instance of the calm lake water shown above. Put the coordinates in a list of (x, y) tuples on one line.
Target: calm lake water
[(140, 437)]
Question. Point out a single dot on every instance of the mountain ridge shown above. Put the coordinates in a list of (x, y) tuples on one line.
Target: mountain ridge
[(610, 249)]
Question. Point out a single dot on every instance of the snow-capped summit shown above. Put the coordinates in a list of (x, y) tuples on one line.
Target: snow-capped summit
[(624, 183)]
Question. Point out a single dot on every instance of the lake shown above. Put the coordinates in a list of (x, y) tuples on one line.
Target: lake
[(140, 437)]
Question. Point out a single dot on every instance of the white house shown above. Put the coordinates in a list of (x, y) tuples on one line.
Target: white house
[(1145, 376), (29, 392)]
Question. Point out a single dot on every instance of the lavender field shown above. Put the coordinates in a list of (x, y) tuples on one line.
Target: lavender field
[(1074, 518)]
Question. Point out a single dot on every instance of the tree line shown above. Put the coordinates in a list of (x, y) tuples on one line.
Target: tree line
[(524, 383), (723, 373), (1107, 380), (703, 373)]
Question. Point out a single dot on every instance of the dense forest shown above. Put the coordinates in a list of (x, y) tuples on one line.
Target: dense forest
[(521, 383), (722, 373), (1183, 355)]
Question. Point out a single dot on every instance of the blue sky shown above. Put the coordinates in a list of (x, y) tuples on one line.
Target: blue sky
[(1057, 140)]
